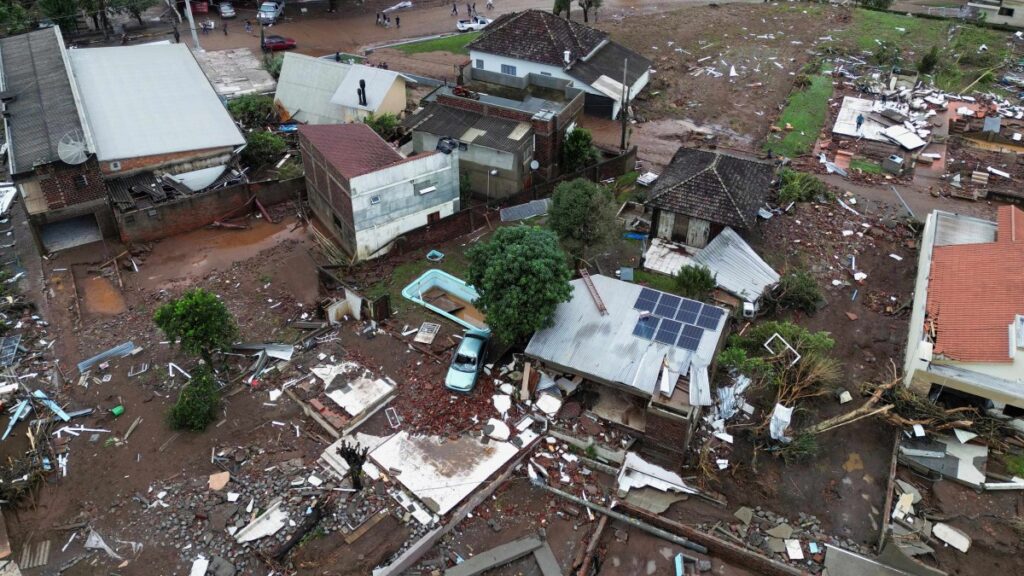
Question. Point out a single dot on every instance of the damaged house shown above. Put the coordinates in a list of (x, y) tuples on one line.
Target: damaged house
[(80, 120), (538, 42), (367, 194), (646, 355), (967, 326), (701, 192)]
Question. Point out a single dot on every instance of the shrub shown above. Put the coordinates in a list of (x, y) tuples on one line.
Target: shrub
[(578, 151), (929, 62), (252, 111), (290, 170), (695, 281), (887, 54), (262, 147), (385, 125), (198, 402), (583, 216), (796, 291), (273, 63), (199, 320), (803, 340), (801, 187)]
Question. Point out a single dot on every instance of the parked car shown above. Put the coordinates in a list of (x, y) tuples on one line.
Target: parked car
[(226, 10), (275, 43), (269, 12), (467, 361), (474, 23)]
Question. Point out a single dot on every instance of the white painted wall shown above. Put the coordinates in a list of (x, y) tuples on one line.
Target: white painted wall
[(493, 62), (370, 239)]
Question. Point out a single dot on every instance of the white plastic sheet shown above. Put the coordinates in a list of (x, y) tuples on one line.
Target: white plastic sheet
[(781, 417)]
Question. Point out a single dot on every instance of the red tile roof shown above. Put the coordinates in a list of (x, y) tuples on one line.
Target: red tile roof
[(353, 149), (976, 290)]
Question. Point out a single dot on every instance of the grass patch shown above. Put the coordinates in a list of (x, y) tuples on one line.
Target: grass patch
[(456, 44), (1015, 465), (865, 166), (454, 263), (869, 26), (805, 112), (656, 281)]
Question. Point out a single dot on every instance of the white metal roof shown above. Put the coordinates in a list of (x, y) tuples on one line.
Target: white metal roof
[(306, 86), (737, 268), (148, 100), (603, 347), (378, 83)]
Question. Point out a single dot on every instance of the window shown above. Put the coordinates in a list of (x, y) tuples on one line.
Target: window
[(115, 166), (422, 188), (507, 69), (480, 63), (463, 146), (1006, 11), (545, 73), (337, 222), (374, 200), (81, 181)]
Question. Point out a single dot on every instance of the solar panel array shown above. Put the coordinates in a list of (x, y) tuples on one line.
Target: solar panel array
[(673, 320)]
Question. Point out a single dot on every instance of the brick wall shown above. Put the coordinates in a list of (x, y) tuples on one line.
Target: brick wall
[(202, 158), (446, 229), (64, 185), (199, 210)]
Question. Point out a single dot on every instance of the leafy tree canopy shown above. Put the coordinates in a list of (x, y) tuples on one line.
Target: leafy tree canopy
[(578, 151), (252, 110), (262, 147), (522, 276), (582, 215), (197, 405), (199, 320)]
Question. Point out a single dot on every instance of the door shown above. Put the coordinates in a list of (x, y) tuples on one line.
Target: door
[(433, 218), (70, 233), (697, 233)]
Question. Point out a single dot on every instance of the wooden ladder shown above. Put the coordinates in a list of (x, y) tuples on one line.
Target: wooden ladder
[(593, 291)]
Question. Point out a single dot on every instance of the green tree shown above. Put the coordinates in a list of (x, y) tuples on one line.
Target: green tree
[(252, 110), (385, 125), (198, 402), (521, 276), (876, 4), (562, 6), (800, 187), (578, 151), (272, 63), (582, 215), (695, 281), (796, 290), (14, 18), (199, 320), (587, 6), (929, 62), (133, 7), (262, 147), (62, 12)]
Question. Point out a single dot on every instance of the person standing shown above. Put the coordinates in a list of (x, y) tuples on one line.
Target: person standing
[(225, 28), (177, 36), (490, 4), (248, 27), (455, 8), (398, 22)]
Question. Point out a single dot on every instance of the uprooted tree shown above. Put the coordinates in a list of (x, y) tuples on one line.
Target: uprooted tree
[(355, 456), (252, 110), (199, 321), (583, 216), (695, 281), (521, 276)]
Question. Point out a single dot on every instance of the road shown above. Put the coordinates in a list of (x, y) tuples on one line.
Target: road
[(318, 32)]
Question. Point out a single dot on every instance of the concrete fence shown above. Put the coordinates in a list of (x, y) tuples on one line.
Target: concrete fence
[(199, 210)]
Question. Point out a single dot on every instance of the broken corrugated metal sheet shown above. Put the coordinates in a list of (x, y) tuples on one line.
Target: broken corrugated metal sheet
[(118, 351), (738, 269)]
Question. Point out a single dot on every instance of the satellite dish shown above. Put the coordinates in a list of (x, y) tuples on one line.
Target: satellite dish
[(534, 164), (72, 149)]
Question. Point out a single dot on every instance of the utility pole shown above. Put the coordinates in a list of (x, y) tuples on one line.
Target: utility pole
[(623, 106), (192, 25)]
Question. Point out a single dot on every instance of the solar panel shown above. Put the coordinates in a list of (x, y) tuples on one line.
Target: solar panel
[(689, 338), (709, 317), (667, 306), (688, 312), (645, 327), (668, 331), (647, 300)]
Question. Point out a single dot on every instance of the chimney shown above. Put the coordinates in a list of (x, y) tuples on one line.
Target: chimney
[(362, 92), (568, 56)]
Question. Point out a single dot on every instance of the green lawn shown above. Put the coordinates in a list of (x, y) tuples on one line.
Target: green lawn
[(454, 263), (906, 31), (866, 166), (806, 113), (456, 44), (655, 280)]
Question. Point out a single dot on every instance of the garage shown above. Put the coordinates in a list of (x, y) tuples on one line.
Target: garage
[(70, 233), (598, 105)]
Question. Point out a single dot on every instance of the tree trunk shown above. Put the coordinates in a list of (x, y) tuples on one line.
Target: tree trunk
[(356, 476), (138, 16), (586, 16)]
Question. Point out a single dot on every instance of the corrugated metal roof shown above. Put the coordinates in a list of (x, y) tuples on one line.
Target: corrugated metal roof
[(737, 268), (148, 100), (603, 347), (378, 83), (306, 86), (952, 229), (44, 109)]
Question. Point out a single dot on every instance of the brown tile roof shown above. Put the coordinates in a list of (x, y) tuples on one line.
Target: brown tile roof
[(974, 292), (538, 36), (353, 149), (712, 186)]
